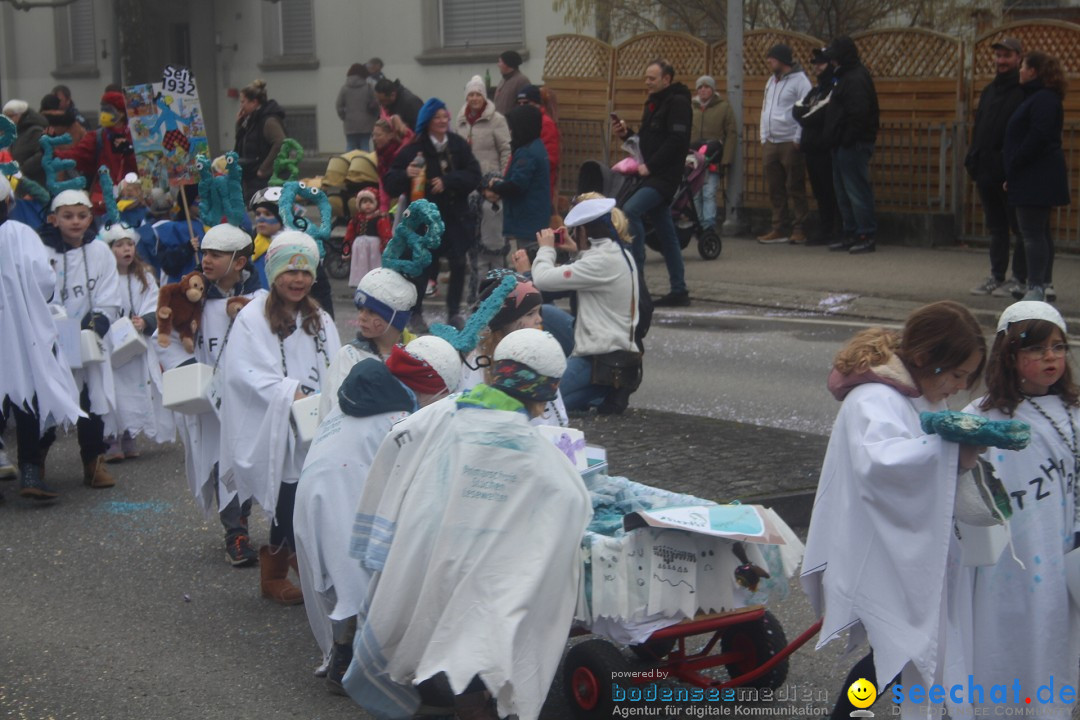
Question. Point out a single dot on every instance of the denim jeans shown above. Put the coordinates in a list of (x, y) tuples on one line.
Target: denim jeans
[(854, 193), (578, 392), (1000, 220), (648, 202), (705, 201), (357, 141), (560, 324), (1034, 224)]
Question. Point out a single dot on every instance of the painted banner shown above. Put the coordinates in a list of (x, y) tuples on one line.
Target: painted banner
[(167, 129)]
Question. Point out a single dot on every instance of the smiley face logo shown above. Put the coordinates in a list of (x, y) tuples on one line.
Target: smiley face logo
[(862, 693)]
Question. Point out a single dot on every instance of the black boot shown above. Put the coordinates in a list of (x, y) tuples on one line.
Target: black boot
[(673, 299), (31, 484), (615, 402), (842, 245), (864, 245)]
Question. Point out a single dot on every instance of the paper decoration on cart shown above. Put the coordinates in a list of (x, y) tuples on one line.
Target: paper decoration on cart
[(167, 128), (749, 523)]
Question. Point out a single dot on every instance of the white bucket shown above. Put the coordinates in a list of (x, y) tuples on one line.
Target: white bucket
[(67, 336), (305, 416), (981, 544), (186, 389), (127, 342), (91, 348)]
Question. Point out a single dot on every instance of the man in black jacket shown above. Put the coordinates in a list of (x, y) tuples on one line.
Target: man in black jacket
[(997, 103), (810, 113), (396, 99), (664, 139), (851, 125)]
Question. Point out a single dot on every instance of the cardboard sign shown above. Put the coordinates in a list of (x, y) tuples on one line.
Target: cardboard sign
[(748, 523), (167, 129)]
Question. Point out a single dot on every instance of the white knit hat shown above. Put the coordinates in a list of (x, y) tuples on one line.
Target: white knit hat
[(536, 349), (440, 355), (291, 250), (475, 84), (1030, 310), (225, 238), (388, 294), (70, 197), (16, 107)]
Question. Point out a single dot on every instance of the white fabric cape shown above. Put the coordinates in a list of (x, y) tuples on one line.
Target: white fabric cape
[(331, 483), (880, 551), (259, 449), (1025, 626), (138, 381), (28, 337), (340, 365), (482, 574), (201, 434), (100, 270), (554, 413)]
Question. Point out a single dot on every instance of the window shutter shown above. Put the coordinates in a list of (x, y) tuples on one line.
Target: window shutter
[(81, 26), (297, 28), (468, 23)]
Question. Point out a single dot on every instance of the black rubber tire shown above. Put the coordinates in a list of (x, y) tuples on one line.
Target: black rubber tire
[(654, 650), (761, 640), (587, 677), (709, 245)]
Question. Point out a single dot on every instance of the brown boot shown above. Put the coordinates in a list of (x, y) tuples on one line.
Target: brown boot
[(95, 475), (274, 576)]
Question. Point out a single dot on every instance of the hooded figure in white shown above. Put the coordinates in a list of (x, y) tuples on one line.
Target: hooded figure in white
[(373, 397), (472, 523)]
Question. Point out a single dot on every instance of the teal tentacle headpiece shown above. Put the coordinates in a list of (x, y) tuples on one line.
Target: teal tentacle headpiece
[(108, 195), (233, 186), (28, 187), (421, 214), (54, 165), (290, 191), (8, 132), (221, 196), (468, 337), (209, 208), (287, 163)]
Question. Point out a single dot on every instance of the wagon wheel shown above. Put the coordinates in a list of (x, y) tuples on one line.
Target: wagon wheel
[(708, 245), (587, 674), (758, 641)]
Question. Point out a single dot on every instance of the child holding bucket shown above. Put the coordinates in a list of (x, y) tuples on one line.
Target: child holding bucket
[(1026, 627)]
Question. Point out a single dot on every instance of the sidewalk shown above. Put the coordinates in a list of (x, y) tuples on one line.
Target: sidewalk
[(882, 286)]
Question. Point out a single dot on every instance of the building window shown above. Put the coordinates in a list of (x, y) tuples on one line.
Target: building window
[(289, 36), (457, 31), (75, 40), (301, 124)]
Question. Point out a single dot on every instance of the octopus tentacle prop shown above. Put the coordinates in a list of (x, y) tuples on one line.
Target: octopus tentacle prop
[(290, 191), (287, 163), (468, 337), (8, 131), (54, 165), (108, 196), (221, 196), (209, 208), (232, 194), (420, 215), (968, 429)]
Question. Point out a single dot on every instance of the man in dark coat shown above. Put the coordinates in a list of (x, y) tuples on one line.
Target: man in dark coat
[(851, 125), (396, 99), (984, 163), (664, 139), (810, 113)]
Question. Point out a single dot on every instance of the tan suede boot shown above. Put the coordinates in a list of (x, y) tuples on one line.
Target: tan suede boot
[(274, 576), (95, 475)]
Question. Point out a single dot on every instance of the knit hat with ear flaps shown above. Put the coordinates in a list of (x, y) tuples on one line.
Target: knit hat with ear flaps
[(523, 298), (427, 365), (527, 365), (366, 193), (1030, 310), (291, 250), (387, 294)]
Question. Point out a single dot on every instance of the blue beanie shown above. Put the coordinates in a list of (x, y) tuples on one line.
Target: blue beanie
[(432, 106)]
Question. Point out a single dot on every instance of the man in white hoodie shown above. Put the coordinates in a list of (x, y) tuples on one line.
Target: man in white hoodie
[(785, 167)]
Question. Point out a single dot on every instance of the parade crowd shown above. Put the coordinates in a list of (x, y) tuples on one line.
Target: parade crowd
[(407, 472)]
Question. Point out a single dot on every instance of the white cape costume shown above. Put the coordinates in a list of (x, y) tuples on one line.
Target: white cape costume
[(483, 521), (29, 354), (331, 484), (138, 381), (880, 556), (1025, 626), (340, 365), (259, 448)]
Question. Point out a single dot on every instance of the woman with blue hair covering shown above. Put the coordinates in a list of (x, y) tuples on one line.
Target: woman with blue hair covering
[(451, 173)]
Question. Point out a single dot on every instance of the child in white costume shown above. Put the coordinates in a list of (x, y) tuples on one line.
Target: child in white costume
[(373, 397), (1026, 628), (280, 350), (441, 521), (226, 254), (880, 560), (138, 381), (89, 290), (36, 383)]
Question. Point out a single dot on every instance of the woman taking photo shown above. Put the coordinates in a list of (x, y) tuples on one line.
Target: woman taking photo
[(1035, 175)]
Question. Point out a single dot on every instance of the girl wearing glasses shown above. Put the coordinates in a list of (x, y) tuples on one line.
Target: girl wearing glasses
[(1025, 626)]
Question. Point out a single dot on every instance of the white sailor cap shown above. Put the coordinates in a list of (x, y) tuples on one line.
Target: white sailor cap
[(588, 210), (1030, 310), (70, 197)]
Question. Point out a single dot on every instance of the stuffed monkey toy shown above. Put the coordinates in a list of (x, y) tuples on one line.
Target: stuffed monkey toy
[(180, 306)]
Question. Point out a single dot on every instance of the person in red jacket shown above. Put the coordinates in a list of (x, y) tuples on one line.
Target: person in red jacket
[(109, 145), (549, 133)]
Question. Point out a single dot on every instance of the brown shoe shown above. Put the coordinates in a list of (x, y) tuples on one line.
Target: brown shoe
[(95, 475), (798, 237), (773, 237), (274, 576)]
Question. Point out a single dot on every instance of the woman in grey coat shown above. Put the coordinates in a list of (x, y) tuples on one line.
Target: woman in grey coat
[(357, 108)]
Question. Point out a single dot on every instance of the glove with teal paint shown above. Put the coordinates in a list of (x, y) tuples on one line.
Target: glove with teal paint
[(967, 429)]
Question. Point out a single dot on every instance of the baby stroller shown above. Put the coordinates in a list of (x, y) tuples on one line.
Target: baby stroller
[(594, 176), (345, 176)]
